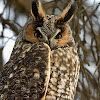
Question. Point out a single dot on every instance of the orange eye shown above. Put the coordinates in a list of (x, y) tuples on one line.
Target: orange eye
[(38, 34), (58, 36)]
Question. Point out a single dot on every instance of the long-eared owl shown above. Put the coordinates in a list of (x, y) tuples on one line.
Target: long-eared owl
[(44, 64)]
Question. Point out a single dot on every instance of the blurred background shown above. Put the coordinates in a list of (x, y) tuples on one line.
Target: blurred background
[(86, 31)]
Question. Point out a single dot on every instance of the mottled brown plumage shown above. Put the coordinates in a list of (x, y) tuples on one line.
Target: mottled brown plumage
[(44, 63)]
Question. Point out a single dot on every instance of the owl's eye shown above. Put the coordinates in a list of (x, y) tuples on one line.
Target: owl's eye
[(58, 36), (38, 34)]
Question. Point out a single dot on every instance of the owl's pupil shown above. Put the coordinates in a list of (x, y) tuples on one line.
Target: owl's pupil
[(58, 36), (38, 34)]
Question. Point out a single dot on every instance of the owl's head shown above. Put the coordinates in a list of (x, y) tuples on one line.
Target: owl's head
[(50, 29)]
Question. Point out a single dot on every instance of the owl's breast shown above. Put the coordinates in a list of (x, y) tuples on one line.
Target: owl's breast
[(64, 74)]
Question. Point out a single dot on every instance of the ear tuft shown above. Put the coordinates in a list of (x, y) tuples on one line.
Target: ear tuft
[(34, 9), (67, 14), (70, 13), (37, 10)]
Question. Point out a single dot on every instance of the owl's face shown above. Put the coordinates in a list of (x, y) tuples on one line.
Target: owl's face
[(52, 30)]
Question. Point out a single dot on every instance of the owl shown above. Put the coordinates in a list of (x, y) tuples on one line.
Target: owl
[(44, 64)]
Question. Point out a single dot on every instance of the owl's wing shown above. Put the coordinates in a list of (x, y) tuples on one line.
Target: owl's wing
[(27, 76)]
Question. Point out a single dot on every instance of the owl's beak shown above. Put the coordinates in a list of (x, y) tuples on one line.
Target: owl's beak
[(48, 41), (51, 42)]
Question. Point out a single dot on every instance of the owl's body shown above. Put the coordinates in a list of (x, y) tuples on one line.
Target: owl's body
[(64, 74), (44, 63)]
